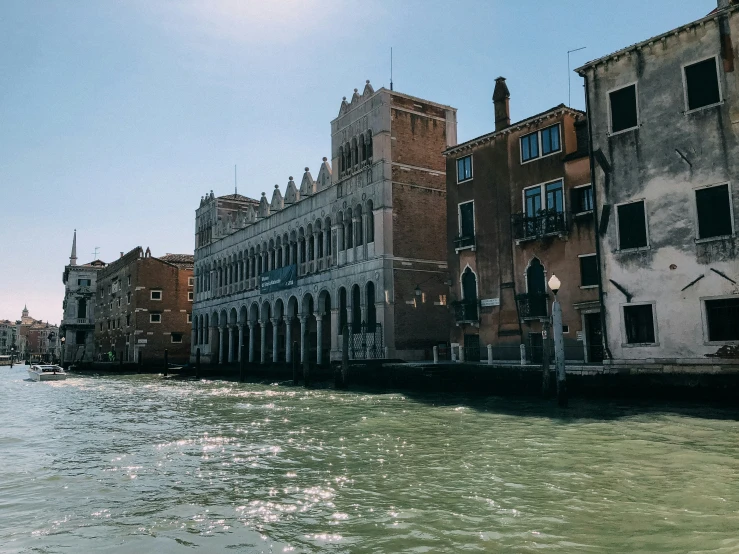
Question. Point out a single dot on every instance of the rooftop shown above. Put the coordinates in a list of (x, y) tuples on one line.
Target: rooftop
[(183, 261)]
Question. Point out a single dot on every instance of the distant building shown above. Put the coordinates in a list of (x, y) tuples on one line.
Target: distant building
[(357, 247), (9, 341), (663, 116), (37, 340), (144, 307), (78, 320), (519, 209)]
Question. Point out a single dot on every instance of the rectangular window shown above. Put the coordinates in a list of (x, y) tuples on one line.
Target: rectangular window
[(632, 226), (155, 318), (532, 201), (190, 281), (464, 169), (550, 140), (128, 320), (588, 270), (118, 302), (701, 84), (190, 296), (80, 337), (128, 298), (714, 212), (467, 219), (623, 109), (529, 147), (189, 318), (722, 316), (555, 196), (129, 280), (582, 199), (84, 282), (177, 337), (639, 323), (156, 295)]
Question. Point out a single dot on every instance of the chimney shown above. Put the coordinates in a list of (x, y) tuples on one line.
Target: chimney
[(121, 254), (723, 4), (501, 98)]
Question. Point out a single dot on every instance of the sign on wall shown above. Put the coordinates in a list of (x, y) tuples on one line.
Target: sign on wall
[(487, 302), (278, 279)]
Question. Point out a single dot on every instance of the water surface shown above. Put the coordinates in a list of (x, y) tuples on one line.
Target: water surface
[(140, 464)]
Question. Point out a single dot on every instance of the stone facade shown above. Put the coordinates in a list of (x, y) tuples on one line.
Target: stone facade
[(356, 248), (518, 211), (78, 319), (144, 307), (663, 116), (9, 342), (38, 341)]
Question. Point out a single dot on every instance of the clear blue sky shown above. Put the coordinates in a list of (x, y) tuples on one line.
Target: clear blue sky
[(115, 117)]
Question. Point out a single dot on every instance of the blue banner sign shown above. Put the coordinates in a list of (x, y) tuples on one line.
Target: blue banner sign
[(278, 279)]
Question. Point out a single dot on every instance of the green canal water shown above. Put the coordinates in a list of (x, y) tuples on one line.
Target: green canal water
[(140, 464)]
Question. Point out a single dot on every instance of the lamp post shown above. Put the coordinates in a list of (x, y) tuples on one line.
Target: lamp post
[(63, 339), (559, 348)]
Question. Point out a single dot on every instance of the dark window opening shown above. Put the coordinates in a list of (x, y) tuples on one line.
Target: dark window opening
[(533, 201), (632, 226), (582, 199), (80, 337), (639, 324), (588, 271), (467, 219), (176, 337), (530, 147), (701, 80), (535, 282), (469, 286), (84, 282), (550, 140), (555, 197), (464, 169), (714, 212), (623, 109), (723, 319)]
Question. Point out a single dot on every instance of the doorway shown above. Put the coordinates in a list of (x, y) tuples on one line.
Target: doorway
[(594, 337)]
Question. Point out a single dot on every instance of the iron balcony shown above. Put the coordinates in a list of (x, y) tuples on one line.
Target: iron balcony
[(465, 310), (532, 305), (549, 222), (464, 242)]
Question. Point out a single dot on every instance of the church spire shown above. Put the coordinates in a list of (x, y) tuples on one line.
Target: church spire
[(73, 257)]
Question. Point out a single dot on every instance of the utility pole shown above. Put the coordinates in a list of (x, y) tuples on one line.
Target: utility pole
[(569, 76)]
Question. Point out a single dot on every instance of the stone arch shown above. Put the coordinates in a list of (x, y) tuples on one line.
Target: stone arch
[(535, 277), (307, 305), (265, 311), (233, 316), (356, 309), (293, 307), (468, 284), (370, 299), (279, 309), (243, 315), (253, 313)]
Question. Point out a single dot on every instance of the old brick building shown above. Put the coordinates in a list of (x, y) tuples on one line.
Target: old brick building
[(78, 318), (520, 209), (144, 306), (357, 247)]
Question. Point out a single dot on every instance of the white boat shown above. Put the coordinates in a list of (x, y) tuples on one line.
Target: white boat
[(46, 372)]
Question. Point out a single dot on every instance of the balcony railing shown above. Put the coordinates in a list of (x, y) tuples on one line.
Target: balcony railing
[(532, 305), (466, 310), (464, 242), (548, 222)]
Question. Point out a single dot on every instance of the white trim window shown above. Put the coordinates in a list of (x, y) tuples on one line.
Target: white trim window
[(582, 199), (701, 84), (721, 319), (155, 295), (714, 212), (639, 324), (155, 317), (190, 281), (623, 109), (176, 338), (465, 225), (189, 318), (464, 169), (588, 271), (541, 144), (552, 194), (633, 230), (190, 296)]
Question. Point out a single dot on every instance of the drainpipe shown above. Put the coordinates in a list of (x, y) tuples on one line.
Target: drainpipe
[(604, 327)]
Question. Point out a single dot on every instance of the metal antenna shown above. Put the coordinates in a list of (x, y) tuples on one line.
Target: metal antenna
[(391, 68), (569, 77), (236, 182), (95, 254)]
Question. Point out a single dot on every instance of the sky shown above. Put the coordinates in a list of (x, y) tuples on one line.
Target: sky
[(117, 116)]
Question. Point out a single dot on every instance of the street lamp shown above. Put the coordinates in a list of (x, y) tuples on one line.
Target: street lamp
[(559, 347), (63, 340)]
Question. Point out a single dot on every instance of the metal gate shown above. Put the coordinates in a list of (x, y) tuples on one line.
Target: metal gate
[(366, 342)]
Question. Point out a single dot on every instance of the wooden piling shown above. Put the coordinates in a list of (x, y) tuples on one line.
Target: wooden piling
[(166, 362)]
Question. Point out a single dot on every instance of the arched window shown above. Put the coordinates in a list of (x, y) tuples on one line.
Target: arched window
[(342, 309), (342, 160), (355, 152), (469, 285), (362, 149), (370, 223), (349, 231), (535, 283), (356, 309), (369, 145), (348, 151), (371, 314), (360, 226), (206, 329)]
